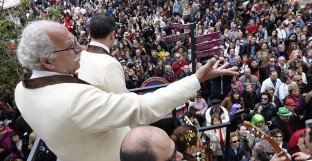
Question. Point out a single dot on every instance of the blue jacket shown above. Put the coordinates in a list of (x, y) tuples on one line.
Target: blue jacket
[(240, 152)]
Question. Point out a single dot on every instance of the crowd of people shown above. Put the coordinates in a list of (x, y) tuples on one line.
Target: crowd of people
[(269, 42)]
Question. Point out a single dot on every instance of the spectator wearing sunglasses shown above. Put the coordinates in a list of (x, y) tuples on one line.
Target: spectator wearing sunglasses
[(187, 141), (270, 66), (265, 107), (237, 151), (148, 143)]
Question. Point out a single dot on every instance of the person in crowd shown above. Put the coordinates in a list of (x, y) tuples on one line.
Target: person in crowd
[(247, 78), (170, 76), (295, 121), (216, 109), (151, 72), (303, 87), (302, 146), (245, 138), (168, 60), (281, 121), (160, 68), (217, 137), (149, 143), (5, 140), (259, 121), (277, 136), (294, 93), (233, 98), (20, 148), (275, 100), (254, 67), (308, 143), (236, 84), (187, 141), (199, 105), (57, 54), (270, 66), (272, 81), (178, 65), (283, 90), (186, 72), (237, 150), (265, 107), (250, 97), (263, 151)]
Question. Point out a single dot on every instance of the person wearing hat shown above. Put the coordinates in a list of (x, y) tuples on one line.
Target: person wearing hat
[(282, 122), (295, 121), (217, 109)]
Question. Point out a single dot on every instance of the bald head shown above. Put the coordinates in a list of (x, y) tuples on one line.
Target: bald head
[(146, 143)]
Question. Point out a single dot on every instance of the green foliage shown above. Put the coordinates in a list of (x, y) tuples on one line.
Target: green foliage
[(10, 70)]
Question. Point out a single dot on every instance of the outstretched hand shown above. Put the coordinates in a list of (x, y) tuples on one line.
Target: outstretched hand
[(211, 70)]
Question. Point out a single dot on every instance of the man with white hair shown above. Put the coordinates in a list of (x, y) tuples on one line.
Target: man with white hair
[(83, 121)]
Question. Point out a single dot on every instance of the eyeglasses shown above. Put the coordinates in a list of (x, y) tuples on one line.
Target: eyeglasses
[(73, 46), (272, 61), (299, 80), (173, 156), (235, 141), (178, 57), (264, 98)]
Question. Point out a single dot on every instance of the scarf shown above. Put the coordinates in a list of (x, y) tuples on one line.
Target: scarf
[(297, 100)]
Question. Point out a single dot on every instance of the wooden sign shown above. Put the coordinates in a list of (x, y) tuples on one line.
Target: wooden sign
[(210, 52), (207, 37), (175, 37), (178, 26), (207, 45)]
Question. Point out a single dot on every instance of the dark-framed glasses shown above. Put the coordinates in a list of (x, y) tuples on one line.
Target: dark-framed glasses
[(72, 46), (235, 141), (173, 156)]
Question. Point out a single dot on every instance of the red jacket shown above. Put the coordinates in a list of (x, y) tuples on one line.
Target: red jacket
[(176, 67)]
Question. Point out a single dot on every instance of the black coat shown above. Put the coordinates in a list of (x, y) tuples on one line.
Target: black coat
[(215, 92), (249, 100), (277, 122)]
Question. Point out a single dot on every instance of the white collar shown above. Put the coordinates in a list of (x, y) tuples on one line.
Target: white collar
[(41, 73), (94, 43)]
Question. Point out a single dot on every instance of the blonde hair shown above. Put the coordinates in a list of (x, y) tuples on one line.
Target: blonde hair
[(297, 77), (293, 87)]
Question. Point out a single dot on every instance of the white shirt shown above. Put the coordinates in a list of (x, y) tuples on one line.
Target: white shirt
[(94, 43)]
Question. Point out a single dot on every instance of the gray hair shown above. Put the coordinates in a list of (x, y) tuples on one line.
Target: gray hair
[(35, 43)]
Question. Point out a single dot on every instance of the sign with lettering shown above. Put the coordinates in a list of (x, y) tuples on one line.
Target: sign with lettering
[(210, 52), (178, 26), (207, 37), (175, 37), (207, 45)]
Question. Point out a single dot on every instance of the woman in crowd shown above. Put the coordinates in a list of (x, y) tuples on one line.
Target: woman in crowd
[(236, 84), (170, 76), (254, 67), (187, 141), (275, 100), (294, 93), (217, 137), (151, 72), (292, 49), (160, 68), (265, 107), (303, 87), (249, 96), (283, 89), (278, 136), (232, 99), (160, 51), (237, 151)]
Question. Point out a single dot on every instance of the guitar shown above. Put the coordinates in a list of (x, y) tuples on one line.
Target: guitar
[(255, 130)]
